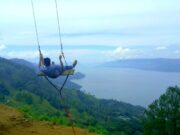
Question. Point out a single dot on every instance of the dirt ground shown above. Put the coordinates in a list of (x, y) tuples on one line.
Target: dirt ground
[(12, 122)]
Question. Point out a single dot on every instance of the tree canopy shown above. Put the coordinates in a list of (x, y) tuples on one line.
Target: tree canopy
[(162, 117)]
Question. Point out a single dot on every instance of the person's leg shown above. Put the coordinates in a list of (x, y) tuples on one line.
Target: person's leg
[(74, 63), (68, 67), (72, 66)]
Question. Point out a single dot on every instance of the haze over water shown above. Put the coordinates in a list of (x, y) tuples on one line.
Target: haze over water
[(137, 87)]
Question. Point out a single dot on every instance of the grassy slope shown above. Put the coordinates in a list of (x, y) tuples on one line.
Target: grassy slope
[(12, 122)]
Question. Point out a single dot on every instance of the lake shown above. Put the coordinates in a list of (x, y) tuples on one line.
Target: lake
[(137, 87)]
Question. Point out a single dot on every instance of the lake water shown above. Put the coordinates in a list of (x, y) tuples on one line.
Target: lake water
[(137, 87)]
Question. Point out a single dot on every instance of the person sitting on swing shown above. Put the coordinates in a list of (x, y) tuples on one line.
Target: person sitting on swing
[(53, 70)]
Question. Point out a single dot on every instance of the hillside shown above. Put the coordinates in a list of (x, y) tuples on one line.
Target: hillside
[(162, 65), (25, 63), (21, 88), (12, 122)]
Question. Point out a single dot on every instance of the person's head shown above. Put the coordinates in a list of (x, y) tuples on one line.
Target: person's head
[(47, 62)]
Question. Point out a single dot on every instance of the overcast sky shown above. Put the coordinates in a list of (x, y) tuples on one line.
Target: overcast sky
[(92, 30)]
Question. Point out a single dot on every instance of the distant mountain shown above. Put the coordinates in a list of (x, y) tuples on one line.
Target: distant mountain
[(21, 88), (162, 65), (24, 62)]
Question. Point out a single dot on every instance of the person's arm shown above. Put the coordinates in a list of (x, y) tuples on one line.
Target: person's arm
[(41, 60), (61, 63)]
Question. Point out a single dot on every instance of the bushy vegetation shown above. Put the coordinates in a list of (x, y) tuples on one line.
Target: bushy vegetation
[(21, 88)]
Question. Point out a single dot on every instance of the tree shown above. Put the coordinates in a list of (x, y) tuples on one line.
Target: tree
[(162, 117)]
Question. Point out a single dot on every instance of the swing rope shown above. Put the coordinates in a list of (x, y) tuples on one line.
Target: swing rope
[(39, 48), (35, 25), (59, 90), (59, 31)]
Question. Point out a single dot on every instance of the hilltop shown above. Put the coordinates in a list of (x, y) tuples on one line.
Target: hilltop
[(12, 122)]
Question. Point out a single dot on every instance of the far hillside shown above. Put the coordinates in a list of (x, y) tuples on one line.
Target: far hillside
[(159, 64)]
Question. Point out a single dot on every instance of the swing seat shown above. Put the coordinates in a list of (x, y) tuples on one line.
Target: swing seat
[(40, 74), (68, 72)]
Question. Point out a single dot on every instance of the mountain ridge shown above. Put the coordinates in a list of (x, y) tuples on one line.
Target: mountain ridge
[(156, 64)]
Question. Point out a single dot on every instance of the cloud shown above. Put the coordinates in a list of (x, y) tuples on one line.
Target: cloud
[(91, 54), (2, 46), (113, 22), (123, 53)]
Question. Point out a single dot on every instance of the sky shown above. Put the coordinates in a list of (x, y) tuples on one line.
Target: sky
[(92, 31)]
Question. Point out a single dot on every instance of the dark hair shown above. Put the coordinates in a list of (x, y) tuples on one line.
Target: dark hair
[(47, 61)]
